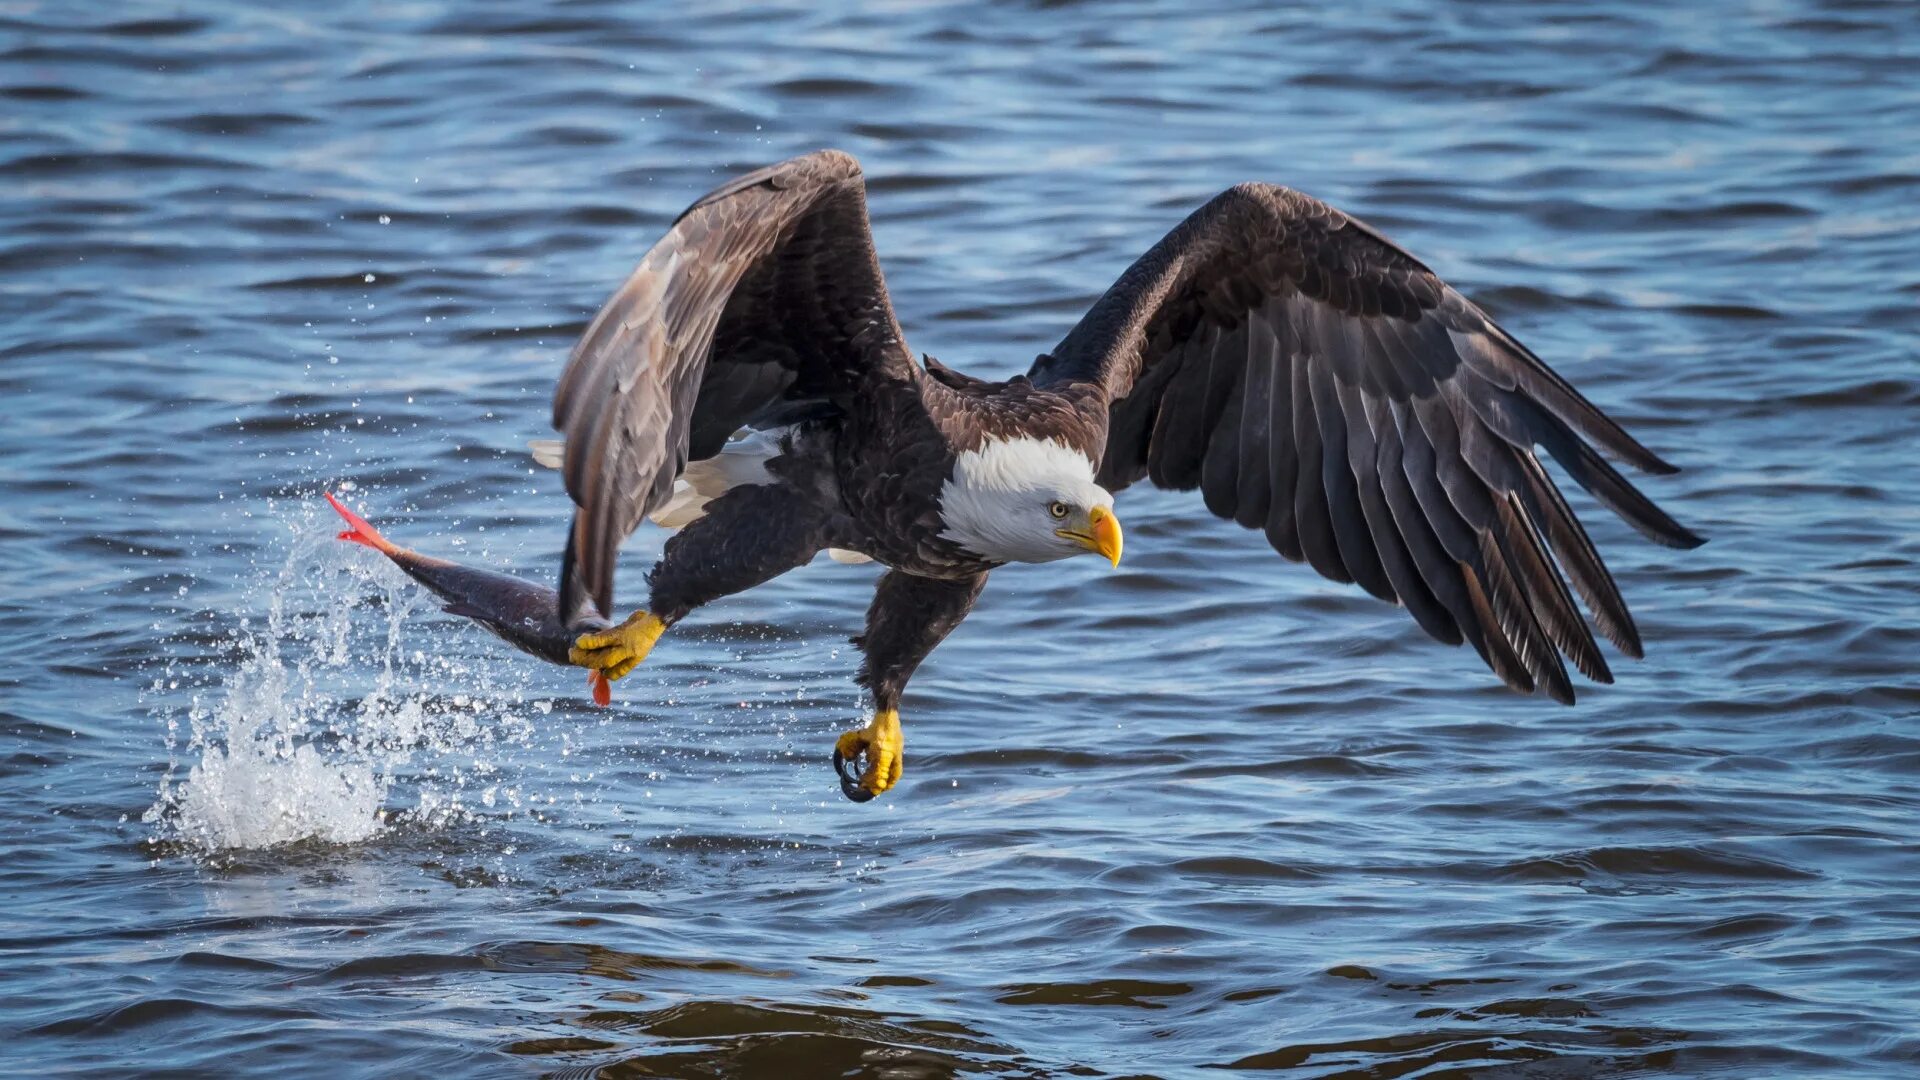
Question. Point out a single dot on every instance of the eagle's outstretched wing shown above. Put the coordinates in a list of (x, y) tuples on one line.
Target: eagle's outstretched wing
[(764, 295), (1315, 381)]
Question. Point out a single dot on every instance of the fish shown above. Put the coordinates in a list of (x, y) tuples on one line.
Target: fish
[(524, 615)]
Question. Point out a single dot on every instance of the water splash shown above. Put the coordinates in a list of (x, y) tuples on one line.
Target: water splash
[(322, 731)]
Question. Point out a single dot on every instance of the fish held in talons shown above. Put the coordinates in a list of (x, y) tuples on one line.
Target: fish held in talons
[(525, 615)]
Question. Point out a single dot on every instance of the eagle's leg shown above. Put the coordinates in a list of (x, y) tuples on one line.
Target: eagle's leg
[(909, 616), (881, 743), (619, 649), (751, 534)]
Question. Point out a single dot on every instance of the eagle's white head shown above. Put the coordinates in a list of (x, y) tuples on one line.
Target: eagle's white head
[(1028, 500)]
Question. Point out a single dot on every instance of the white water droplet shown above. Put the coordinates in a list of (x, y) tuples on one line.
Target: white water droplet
[(325, 716)]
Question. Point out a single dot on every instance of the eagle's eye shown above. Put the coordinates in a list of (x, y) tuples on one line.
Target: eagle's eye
[(1057, 509)]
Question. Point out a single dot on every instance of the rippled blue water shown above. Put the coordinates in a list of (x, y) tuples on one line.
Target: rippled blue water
[(269, 811)]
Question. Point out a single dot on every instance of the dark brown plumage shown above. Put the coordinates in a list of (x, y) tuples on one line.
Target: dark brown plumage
[(764, 292), (1316, 382)]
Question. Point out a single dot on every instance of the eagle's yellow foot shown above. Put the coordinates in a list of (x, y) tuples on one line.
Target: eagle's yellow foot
[(618, 649), (880, 741)]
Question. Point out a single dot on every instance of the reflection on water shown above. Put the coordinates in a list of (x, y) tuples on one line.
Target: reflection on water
[(270, 809)]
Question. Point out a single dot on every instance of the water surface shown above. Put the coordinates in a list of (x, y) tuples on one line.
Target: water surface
[(269, 811)]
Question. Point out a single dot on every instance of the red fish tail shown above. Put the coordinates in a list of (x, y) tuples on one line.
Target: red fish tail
[(361, 532), (602, 689)]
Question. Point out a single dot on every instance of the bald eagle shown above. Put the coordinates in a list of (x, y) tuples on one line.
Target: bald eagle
[(1309, 377)]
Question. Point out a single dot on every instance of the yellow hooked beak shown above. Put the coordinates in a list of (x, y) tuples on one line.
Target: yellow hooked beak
[(1101, 536)]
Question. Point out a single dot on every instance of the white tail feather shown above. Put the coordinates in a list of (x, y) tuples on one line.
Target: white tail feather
[(742, 461), (681, 509)]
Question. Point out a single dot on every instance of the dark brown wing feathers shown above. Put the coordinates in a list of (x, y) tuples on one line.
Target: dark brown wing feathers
[(1318, 383), (764, 294)]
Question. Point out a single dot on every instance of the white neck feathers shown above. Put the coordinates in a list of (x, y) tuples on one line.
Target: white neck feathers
[(989, 502)]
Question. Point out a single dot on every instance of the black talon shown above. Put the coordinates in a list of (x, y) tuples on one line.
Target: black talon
[(849, 781)]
